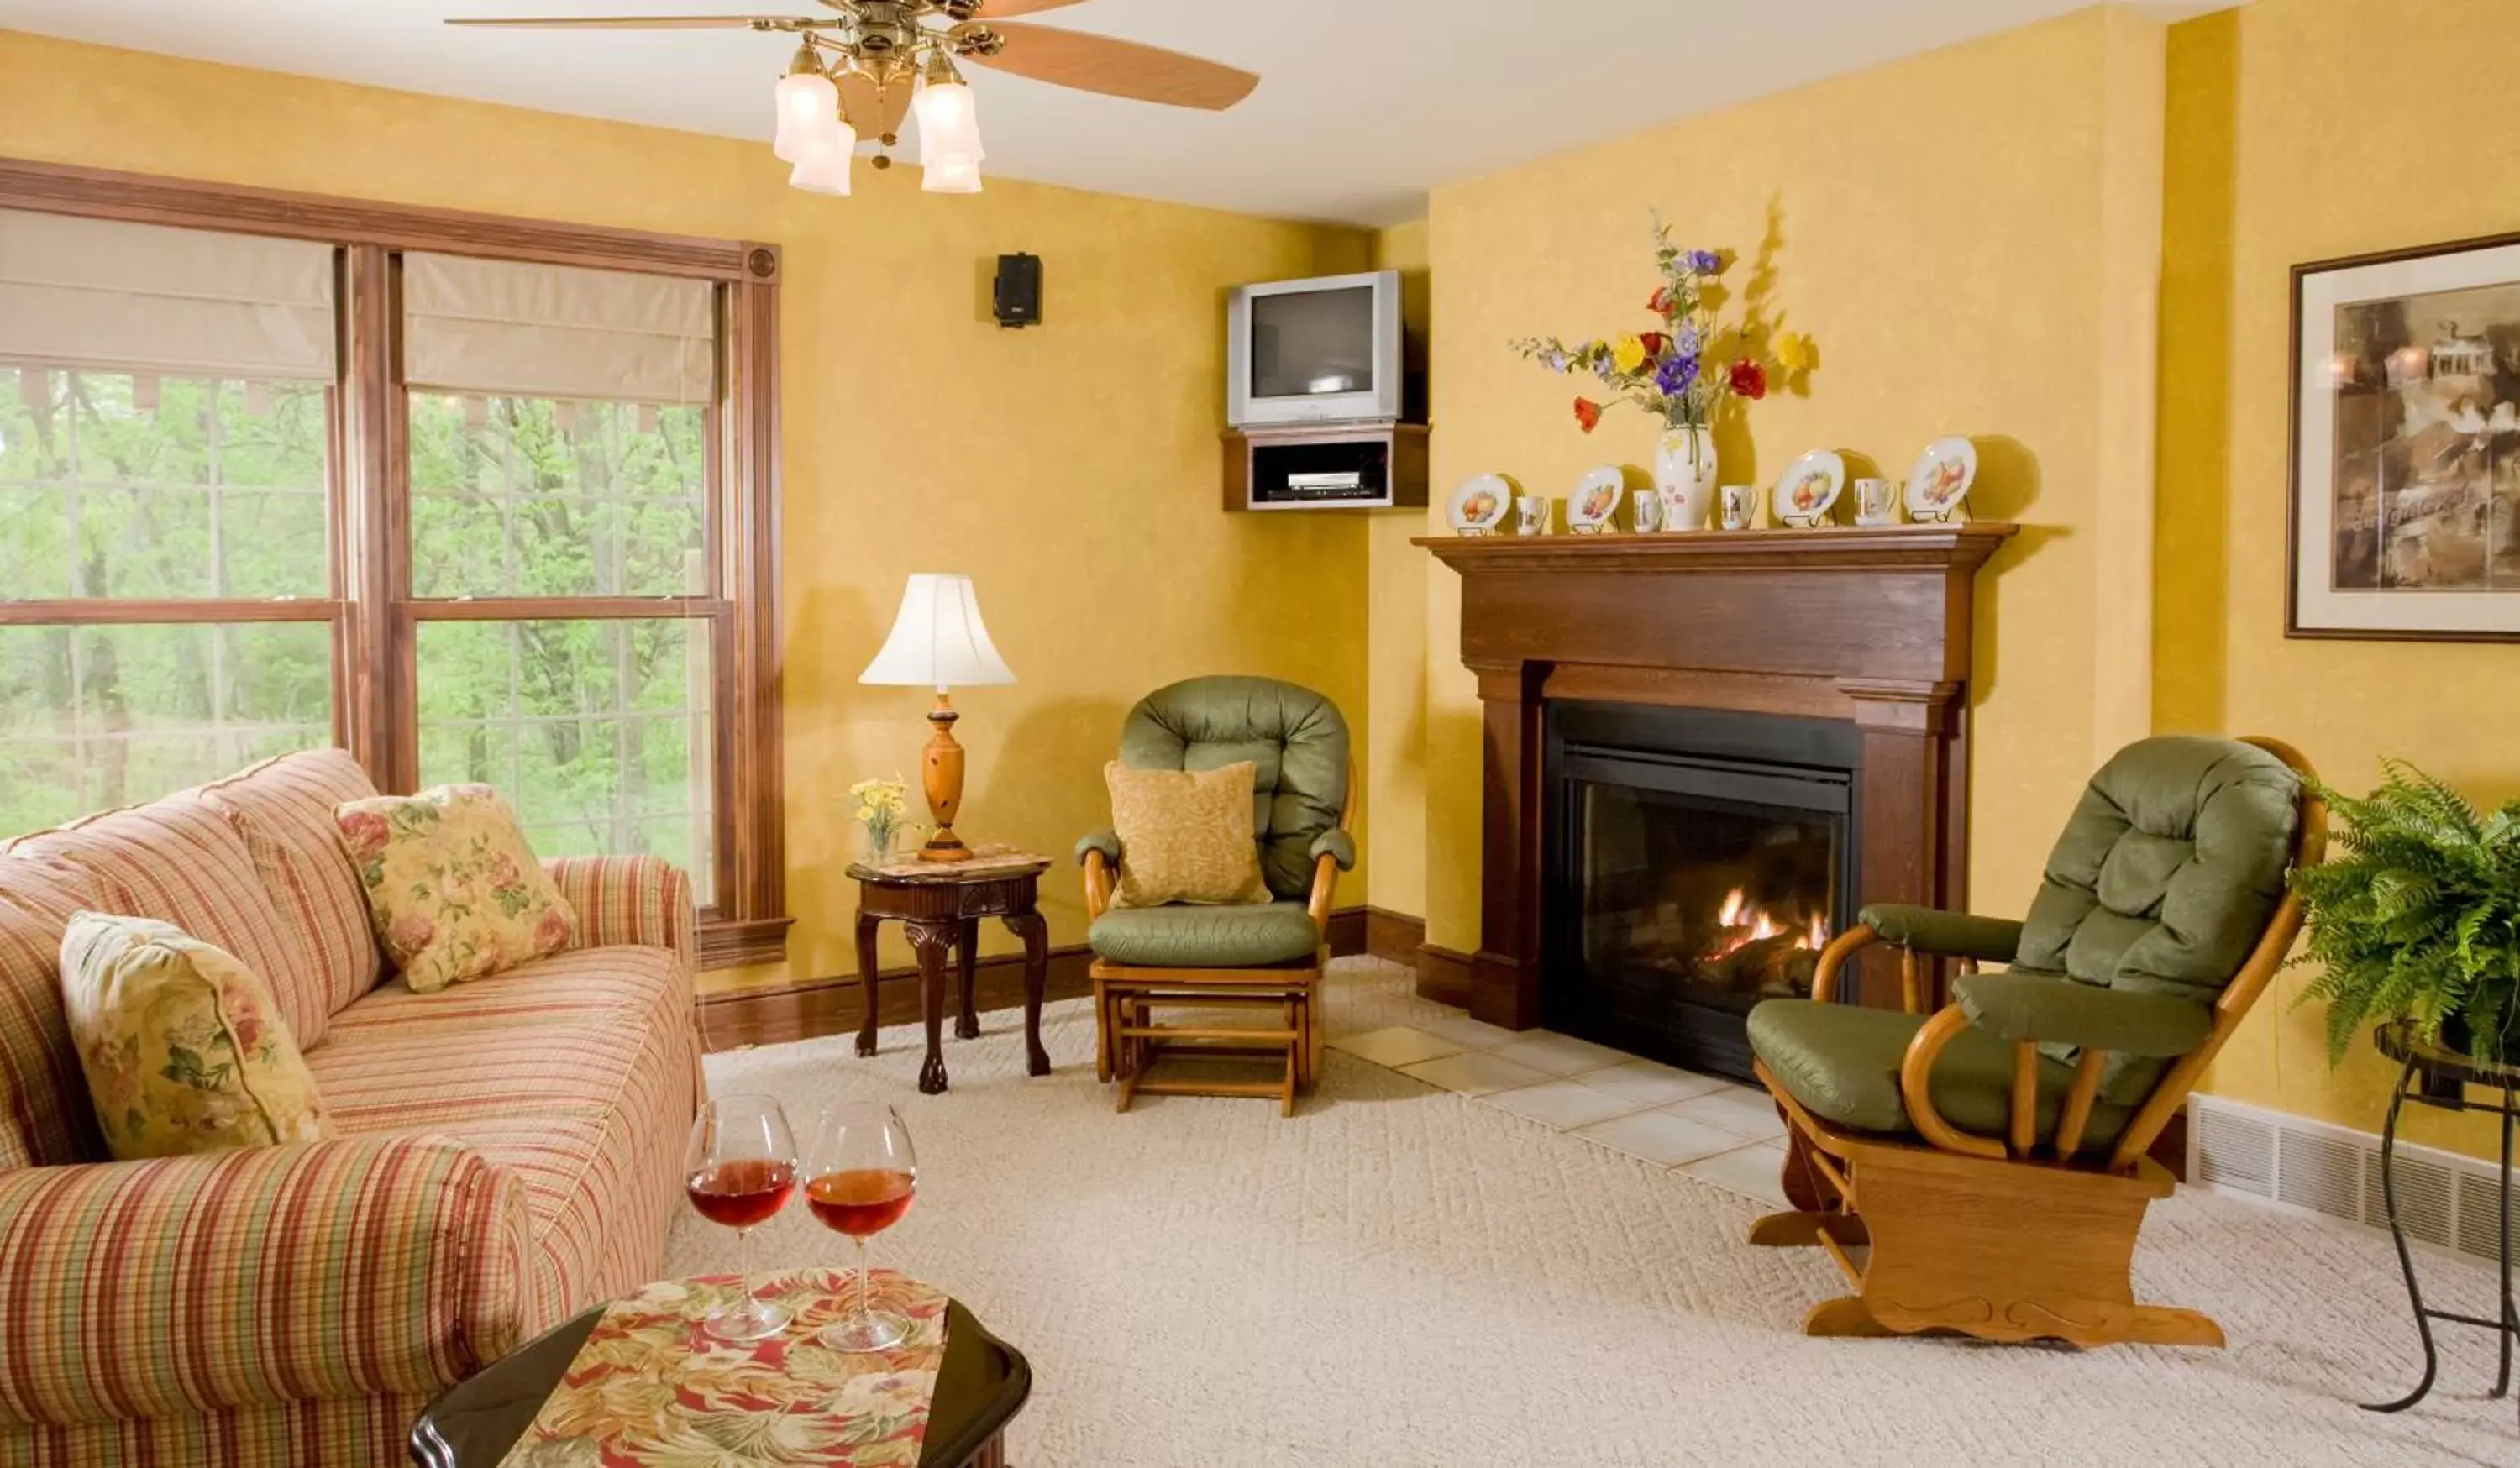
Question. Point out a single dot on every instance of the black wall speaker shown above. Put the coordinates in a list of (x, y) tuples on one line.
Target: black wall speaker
[(1018, 290)]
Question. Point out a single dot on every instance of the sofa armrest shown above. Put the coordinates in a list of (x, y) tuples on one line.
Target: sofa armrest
[(629, 902), (233, 1280), (1956, 935), (2058, 1011)]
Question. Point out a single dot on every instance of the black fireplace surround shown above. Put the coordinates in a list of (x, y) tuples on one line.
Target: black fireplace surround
[(1694, 863)]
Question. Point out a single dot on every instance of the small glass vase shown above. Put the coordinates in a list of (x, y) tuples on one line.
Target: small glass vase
[(876, 841)]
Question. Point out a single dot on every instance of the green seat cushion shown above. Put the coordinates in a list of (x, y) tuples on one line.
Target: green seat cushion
[(1206, 937), (1841, 1062)]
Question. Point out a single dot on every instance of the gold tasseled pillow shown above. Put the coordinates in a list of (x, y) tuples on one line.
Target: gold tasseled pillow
[(184, 1047), (1185, 835), (453, 890)]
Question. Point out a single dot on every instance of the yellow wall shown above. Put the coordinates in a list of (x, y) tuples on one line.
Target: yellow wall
[(1968, 234), (2295, 137), (1072, 469), (2071, 240), (1395, 762)]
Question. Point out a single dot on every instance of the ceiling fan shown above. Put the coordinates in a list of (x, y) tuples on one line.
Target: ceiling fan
[(861, 69)]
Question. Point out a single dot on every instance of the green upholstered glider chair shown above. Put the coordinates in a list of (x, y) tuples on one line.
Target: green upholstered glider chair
[(1265, 959), (1993, 1154)]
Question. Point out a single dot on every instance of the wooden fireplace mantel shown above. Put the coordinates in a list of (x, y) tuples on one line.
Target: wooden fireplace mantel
[(1868, 625)]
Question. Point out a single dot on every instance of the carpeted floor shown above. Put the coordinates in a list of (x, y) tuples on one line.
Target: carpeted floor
[(1400, 1276)]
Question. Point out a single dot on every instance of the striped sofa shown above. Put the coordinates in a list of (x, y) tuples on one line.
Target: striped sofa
[(509, 1149)]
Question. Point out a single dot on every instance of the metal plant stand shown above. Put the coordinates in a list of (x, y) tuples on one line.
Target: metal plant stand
[(2423, 1064)]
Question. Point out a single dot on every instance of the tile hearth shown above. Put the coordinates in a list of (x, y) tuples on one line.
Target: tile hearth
[(1711, 1129)]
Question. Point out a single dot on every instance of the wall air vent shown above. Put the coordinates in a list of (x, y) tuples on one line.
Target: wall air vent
[(2444, 1199)]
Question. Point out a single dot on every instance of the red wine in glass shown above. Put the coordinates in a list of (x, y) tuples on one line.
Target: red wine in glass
[(744, 1194), (861, 1203), (862, 1176), (739, 1171)]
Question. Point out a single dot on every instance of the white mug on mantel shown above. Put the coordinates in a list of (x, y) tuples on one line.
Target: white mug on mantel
[(1876, 502), (1741, 506)]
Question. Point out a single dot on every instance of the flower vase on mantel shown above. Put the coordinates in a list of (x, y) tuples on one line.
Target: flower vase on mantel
[(1684, 472)]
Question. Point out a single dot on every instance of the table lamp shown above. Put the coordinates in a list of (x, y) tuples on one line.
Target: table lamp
[(938, 641)]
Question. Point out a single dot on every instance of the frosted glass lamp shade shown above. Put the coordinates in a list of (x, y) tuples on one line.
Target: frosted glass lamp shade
[(938, 640), (825, 169), (809, 107), (949, 123), (951, 176)]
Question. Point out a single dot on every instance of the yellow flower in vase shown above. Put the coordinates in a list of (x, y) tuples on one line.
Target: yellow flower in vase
[(1629, 354)]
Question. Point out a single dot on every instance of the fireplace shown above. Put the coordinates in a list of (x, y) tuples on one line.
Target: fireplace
[(1697, 862), (1678, 715)]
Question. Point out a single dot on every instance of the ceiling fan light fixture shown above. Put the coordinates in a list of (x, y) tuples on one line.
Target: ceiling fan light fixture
[(951, 176), (808, 105), (949, 117), (826, 169)]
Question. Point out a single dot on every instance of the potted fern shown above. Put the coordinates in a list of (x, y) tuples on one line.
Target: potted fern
[(2419, 917)]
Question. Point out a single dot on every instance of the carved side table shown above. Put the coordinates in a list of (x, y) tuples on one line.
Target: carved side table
[(942, 904)]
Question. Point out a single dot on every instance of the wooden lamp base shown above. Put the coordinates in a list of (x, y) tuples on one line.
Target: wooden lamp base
[(940, 775)]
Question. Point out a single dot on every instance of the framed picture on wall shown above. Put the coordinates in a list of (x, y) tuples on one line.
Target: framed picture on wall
[(2406, 460)]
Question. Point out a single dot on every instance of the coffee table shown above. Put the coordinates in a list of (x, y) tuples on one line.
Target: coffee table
[(980, 1386)]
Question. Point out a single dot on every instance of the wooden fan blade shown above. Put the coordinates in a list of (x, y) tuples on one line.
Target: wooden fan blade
[(995, 10), (1117, 68), (650, 23), (875, 112)]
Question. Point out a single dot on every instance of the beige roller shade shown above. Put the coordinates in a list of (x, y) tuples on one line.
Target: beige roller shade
[(500, 329), (142, 298)]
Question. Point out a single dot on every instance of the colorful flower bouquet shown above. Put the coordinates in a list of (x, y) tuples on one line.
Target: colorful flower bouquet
[(1683, 373)]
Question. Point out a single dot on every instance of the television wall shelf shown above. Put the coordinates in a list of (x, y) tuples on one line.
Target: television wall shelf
[(1375, 465)]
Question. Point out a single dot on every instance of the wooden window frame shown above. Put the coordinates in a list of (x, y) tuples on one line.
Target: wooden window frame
[(374, 615)]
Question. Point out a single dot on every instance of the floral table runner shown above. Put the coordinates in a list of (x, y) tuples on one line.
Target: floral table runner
[(651, 1387)]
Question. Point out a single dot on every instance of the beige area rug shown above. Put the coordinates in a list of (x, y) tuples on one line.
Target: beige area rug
[(1402, 1275)]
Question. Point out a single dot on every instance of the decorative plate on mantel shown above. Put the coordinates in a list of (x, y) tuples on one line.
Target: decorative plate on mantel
[(1596, 499), (1809, 489), (1479, 506), (1939, 485)]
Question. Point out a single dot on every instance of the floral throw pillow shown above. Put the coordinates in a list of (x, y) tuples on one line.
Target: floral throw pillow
[(184, 1047), (454, 891)]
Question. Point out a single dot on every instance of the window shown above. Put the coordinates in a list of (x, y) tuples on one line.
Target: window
[(165, 462), (480, 500)]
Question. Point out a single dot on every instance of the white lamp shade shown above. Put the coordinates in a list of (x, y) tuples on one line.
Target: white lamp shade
[(938, 640), (949, 123), (951, 176), (809, 107), (825, 169)]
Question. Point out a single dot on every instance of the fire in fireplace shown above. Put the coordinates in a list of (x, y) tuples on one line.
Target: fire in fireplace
[(1698, 863)]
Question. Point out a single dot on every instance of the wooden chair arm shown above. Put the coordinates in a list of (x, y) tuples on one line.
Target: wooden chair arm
[(1325, 873), (1833, 957), (1917, 1089), (1098, 885)]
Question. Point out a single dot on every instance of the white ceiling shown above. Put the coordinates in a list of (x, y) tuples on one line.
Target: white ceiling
[(1365, 104)]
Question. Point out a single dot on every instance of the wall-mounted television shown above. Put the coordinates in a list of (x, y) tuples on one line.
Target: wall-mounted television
[(1326, 350)]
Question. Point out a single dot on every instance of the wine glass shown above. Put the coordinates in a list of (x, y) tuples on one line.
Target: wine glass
[(861, 1174), (740, 1171)]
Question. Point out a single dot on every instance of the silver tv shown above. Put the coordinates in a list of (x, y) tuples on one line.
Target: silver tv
[(1324, 350)]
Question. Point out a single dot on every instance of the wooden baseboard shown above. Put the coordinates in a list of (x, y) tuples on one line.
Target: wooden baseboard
[(1393, 937), (835, 1006), (1444, 975)]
